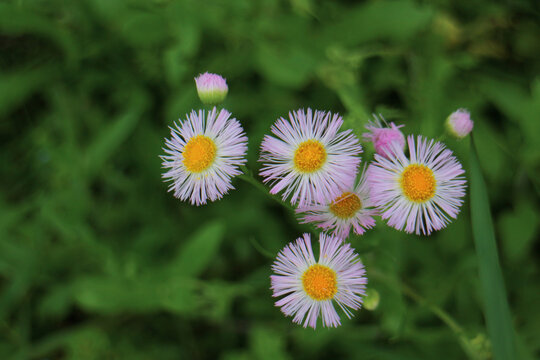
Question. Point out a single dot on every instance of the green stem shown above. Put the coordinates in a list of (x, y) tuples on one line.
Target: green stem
[(261, 249), (11, 334), (442, 137), (247, 176), (458, 331), (496, 309)]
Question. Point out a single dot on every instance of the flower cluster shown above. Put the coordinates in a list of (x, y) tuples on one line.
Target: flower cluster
[(315, 165), (414, 183)]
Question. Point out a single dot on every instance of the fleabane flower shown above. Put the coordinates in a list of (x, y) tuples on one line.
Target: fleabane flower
[(351, 209), (382, 135), (459, 123), (310, 288), (419, 193), (212, 88), (203, 155), (309, 159)]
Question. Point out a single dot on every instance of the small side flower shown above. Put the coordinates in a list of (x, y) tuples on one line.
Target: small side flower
[(352, 209), (309, 288)]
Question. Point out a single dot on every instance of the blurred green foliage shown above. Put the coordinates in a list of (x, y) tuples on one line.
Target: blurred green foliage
[(98, 261)]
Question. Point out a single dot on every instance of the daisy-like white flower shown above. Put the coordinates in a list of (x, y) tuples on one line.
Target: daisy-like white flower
[(351, 209), (310, 287), (203, 155), (382, 134), (211, 88), (420, 193), (309, 158)]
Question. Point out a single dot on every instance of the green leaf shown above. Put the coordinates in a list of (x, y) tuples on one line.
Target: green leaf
[(112, 136), (171, 288), (394, 20), (268, 344), (135, 29), (286, 65), (199, 250), (144, 295), (111, 295), (518, 230), (16, 87), (79, 342), (178, 295), (56, 302), (18, 21), (496, 309), (88, 344)]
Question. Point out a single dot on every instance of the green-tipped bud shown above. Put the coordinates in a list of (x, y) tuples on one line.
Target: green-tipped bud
[(372, 299), (482, 346), (212, 88)]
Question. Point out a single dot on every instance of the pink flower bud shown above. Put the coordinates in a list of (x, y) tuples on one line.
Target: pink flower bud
[(459, 123), (382, 134), (212, 88)]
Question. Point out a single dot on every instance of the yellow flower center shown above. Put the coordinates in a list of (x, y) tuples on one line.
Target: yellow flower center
[(418, 183), (199, 153), (346, 205), (309, 156), (320, 282)]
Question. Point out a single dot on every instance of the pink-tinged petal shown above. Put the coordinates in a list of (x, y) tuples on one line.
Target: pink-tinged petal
[(402, 213), (295, 259), (383, 135), (459, 123), (322, 216), (231, 146), (211, 88), (337, 171)]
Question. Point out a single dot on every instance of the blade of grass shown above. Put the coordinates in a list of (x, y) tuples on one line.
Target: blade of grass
[(496, 309)]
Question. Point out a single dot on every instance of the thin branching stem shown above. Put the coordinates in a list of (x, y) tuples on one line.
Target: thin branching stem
[(446, 318)]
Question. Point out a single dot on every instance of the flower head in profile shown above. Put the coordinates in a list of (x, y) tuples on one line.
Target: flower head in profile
[(203, 155), (212, 88), (351, 209), (459, 123), (308, 158), (419, 193), (382, 135), (309, 288)]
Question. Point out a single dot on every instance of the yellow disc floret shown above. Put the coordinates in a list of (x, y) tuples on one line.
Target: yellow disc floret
[(199, 153), (320, 282), (309, 156), (418, 183), (346, 205)]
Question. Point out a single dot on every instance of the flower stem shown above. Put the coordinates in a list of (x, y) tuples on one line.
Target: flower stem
[(261, 249), (458, 331), (442, 137), (248, 177)]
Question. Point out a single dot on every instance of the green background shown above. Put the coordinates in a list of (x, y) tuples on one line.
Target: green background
[(99, 261)]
